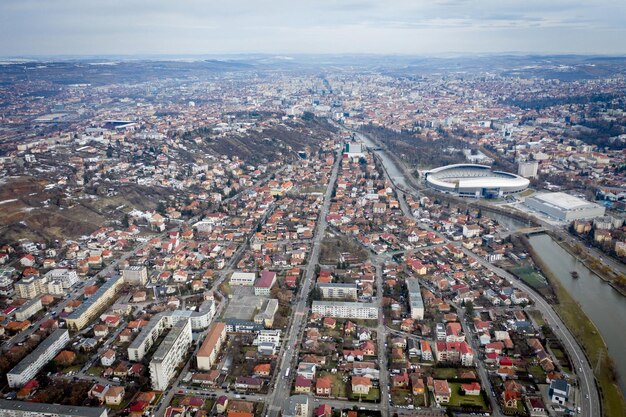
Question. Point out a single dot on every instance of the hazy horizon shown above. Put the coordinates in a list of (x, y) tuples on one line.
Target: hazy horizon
[(32, 28)]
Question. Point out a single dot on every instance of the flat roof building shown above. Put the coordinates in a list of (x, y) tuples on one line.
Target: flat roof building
[(94, 304), (243, 278), (210, 349), (415, 299), (345, 310), (169, 354), (564, 207), (28, 409), (339, 291), (28, 367)]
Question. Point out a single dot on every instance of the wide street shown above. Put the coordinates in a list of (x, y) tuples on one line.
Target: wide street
[(288, 360)]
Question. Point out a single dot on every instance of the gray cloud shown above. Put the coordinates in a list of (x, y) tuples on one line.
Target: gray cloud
[(47, 27)]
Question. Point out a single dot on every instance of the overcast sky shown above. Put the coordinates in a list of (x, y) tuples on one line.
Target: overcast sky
[(89, 27)]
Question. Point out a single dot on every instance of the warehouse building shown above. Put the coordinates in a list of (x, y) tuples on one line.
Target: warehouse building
[(564, 207)]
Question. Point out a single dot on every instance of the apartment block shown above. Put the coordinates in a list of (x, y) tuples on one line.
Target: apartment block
[(210, 349), (345, 310), (94, 305), (169, 354), (38, 358), (339, 291)]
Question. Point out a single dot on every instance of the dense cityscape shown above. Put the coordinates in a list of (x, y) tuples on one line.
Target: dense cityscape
[(312, 209)]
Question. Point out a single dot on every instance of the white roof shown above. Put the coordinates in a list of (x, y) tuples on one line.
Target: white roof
[(563, 201)]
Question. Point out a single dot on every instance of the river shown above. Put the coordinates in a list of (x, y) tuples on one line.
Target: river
[(602, 304)]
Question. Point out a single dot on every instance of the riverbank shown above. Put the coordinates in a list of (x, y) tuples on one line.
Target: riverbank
[(606, 274), (589, 338)]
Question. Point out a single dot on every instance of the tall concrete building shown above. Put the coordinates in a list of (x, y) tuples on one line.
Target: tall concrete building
[(169, 354), (415, 299), (207, 354), (135, 275), (346, 310), (527, 169)]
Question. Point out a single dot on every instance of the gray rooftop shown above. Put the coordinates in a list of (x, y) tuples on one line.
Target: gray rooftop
[(85, 306), (12, 408), (39, 350), (170, 339)]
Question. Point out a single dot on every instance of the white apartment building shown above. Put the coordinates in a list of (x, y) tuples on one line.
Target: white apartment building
[(160, 322), (56, 288), (67, 277), (31, 287), (169, 354), (345, 310), (268, 336), (135, 275), (94, 304), (340, 291), (38, 358), (415, 299), (28, 309)]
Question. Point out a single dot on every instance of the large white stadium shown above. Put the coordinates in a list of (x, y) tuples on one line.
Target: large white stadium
[(472, 180)]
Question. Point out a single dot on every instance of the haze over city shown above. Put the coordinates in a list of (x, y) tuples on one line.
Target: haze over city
[(41, 27), (312, 208)]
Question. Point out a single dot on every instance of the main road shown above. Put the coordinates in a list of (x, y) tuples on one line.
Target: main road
[(282, 387)]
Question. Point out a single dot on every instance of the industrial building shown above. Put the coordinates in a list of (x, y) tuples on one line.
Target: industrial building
[(38, 358), (346, 310), (169, 354), (564, 207), (415, 299)]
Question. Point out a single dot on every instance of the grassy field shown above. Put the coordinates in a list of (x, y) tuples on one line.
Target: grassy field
[(373, 395), (444, 373), (587, 335), (338, 387), (530, 277), (458, 399), (537, 317)]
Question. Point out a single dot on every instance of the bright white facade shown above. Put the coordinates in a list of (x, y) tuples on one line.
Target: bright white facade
[(243, 278), (38, 358), (473, 180), (345, 310), (169, 354), (565, 207)]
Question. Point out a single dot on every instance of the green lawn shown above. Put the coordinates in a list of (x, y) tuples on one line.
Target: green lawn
[(399, 397), (444, 373), (458, 399), (529, 276), (373, 395), (537, 317), (338, 387), (537, 372)]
